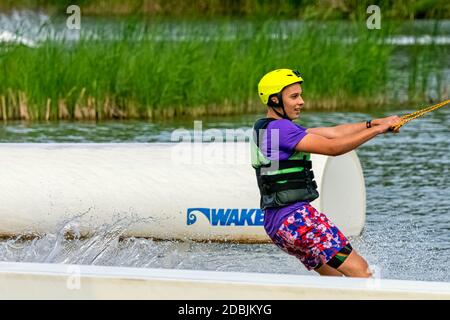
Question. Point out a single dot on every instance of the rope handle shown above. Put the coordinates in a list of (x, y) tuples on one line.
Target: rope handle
[(414, 115)]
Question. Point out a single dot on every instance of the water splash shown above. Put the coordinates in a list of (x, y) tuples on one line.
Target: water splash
[(401, 248), (67, 244)]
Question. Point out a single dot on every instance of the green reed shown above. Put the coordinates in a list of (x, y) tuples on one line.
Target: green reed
[(142, 71)]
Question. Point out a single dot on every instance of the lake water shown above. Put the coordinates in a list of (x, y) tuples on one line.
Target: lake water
[(407, 231)]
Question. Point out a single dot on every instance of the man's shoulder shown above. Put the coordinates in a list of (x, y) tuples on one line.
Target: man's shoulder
[(285, 124)]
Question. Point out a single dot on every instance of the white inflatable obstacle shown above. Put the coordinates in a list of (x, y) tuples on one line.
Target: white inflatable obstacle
[(198, 191)]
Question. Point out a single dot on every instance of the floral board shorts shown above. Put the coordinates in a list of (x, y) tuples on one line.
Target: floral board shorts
[(311, 237)]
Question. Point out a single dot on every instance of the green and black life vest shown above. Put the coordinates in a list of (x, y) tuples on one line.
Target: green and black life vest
[(281, 182)]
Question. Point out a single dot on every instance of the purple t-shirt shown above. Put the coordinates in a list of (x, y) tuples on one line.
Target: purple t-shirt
[(289, 135)]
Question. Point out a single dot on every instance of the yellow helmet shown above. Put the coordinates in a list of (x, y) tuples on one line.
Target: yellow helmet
[(275, 81)]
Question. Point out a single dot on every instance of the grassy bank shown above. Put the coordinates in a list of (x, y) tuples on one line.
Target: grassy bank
[(304, 9), (155, 77)]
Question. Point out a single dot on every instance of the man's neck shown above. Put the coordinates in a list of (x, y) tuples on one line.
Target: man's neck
[(273, 115)]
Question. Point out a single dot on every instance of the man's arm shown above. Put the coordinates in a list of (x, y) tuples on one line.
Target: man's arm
[(338, 131), (343, 130), (314, 143)]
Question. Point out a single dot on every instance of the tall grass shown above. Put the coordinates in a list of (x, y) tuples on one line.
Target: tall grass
[(143, 72)]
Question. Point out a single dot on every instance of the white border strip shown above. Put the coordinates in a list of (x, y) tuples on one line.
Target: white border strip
[(56, 281)]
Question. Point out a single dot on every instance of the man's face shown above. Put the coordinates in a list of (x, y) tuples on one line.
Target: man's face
[(292, 100)]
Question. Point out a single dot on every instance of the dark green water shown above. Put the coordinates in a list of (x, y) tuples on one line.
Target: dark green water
[(407, 232)]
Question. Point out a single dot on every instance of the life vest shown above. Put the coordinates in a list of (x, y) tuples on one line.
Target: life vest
[(281, 182)]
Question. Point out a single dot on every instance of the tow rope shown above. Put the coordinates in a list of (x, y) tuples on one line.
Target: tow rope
[(407, 118)]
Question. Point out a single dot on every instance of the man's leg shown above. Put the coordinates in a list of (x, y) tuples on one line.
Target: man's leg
[(355, 266), (326, 270), (347, 262)]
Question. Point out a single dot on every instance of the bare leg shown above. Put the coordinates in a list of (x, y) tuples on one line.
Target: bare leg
[(326, 270), (355, 266)]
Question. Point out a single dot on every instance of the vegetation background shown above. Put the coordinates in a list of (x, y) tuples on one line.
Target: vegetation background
[(146, 59)]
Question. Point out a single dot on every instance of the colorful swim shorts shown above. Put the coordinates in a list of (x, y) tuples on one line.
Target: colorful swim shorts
[(312, 237)]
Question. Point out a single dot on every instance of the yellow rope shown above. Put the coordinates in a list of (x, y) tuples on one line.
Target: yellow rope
[(407, 118)]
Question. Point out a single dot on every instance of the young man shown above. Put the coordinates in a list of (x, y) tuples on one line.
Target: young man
[(281, 159)]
